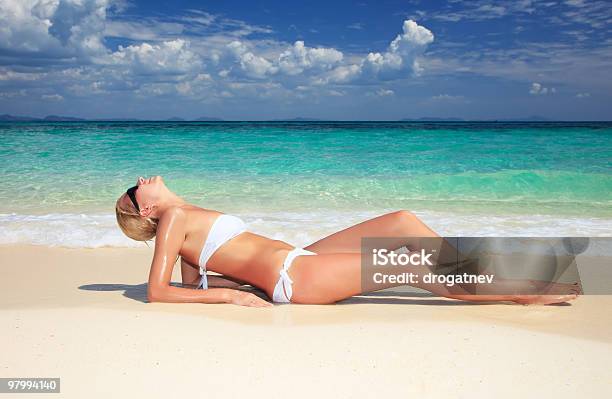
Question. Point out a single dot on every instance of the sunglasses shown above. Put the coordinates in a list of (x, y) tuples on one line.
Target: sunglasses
[(131, 192)]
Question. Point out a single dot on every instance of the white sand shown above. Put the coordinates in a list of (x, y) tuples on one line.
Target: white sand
[(82, 315)]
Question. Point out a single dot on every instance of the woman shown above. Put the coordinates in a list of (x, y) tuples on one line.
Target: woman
[(324, 272)]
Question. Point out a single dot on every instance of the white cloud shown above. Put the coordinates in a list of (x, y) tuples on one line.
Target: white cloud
[(340, 74), (252, 65), (479, 12), (585, 66), (171, 57), (25, 25), (8, 75), (12, 94), (57, 29), (52, 97), (384, 92), (583, 95), (327, 65), (596, 13), (491, 10), (400, 57), (336, 93), (447, 99), (142, 30), (537, 89), (193, 87), (298, 58), (196, 55), (401, 53), (292, 61), (485, 10)]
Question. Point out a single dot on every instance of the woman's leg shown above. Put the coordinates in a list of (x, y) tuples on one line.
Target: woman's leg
[(402, 225), (395, 224), (328, 278), (400, 228)]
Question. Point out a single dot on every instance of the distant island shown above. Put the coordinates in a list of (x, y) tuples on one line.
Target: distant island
[(533, 118), (48, 118), (57, 118)]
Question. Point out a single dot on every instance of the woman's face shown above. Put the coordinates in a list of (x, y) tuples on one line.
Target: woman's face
[(149, 191)]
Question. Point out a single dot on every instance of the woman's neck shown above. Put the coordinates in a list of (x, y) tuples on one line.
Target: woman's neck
[(170, 201)]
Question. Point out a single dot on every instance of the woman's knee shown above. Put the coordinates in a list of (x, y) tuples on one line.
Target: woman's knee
[(403, 215), (403, 220)]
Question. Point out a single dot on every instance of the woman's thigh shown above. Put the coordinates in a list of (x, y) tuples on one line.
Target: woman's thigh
[(327, 278), (349, 239)]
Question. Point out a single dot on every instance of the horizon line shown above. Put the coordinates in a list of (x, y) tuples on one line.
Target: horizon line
[(63, 118)]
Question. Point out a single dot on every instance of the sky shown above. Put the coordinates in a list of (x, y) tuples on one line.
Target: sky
[(260, 60)]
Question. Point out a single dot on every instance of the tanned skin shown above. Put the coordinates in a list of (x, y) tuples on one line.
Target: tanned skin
[(333, 274)]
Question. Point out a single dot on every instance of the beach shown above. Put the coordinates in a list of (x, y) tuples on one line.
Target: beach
[(82, 315)]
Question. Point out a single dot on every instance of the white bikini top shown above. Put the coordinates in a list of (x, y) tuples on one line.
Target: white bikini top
[(224, 228)]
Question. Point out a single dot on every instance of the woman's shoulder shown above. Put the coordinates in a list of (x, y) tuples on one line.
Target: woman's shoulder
[(171, 217), (190, 208), (192, 213)]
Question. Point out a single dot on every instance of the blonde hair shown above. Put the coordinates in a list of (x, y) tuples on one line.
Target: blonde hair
[(134, 225)]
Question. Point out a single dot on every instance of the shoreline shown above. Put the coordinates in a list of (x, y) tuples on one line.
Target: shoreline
[(99, 230)]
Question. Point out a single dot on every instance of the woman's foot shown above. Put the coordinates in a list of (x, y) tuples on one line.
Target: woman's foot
[(543, 299), (550, 288), (551, 293)]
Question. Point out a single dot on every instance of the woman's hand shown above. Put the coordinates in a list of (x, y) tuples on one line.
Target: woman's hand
[(247, 299)]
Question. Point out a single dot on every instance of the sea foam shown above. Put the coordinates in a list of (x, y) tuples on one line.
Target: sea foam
[(93, 230)]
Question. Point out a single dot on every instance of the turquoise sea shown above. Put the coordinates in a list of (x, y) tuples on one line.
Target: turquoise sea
[(299, 181)]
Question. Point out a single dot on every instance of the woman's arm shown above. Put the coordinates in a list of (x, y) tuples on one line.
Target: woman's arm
[(224, 281), (169, 239), (211, 295), (190, 274)]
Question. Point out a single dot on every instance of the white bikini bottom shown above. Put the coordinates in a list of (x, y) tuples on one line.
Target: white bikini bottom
[(283, 291)]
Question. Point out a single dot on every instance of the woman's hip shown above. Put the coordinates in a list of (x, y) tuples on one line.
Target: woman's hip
[(324, 278)]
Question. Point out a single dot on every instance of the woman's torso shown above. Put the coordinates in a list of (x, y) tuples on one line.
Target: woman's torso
[(248, 256)]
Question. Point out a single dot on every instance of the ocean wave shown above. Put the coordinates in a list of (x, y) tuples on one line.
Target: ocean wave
[(94, 230), (555, 193)]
